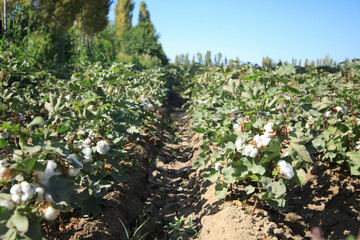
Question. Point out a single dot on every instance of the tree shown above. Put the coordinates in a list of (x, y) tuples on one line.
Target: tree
[(144, 15), (123, 16), (142, 40), (199, 58), (208, 58), (93, 16)]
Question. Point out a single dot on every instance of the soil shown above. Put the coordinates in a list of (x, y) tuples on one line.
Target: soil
[(167, 199)]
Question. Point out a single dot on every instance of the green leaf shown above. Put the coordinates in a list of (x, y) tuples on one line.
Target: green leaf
[(62, 128), (211, 175), (228, 173), (34, 231), (249, 189), (37, 121), (19, 221), (4, 213), (300, 176), (221, 190), (302, 151), (74, 87), (354, 162), (254, 166), (30, 150), (119, 175), (3, 143), (91, 207), (277, 188), (29, 163), (61, 189)]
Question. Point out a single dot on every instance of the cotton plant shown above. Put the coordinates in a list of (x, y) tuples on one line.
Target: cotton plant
[(286, 169), (258, 142)]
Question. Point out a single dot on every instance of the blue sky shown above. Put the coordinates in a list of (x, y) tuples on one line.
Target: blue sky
[(253, 29)]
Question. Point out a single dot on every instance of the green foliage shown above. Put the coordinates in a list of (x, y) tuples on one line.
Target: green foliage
[(123, 16), (142, 40), (312, 115), (45, 119)]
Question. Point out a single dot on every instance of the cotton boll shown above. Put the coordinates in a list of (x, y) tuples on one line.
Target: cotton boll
[(265, 140), (358, 121), (73, 172), (50, 167), (254, 152), (286, 169), (51, 213), (102, 147), (87, 154), (248, 150), (15, 197), (218, 165), (257, 138), (8, 204), (327, 114), (289, 129), (269, 127), (357, 147), (87, 143), (340, 109), (15, 189), (48, 198), (26, 188), (239, 144), (40, 194), (235, 126), (25, 197)]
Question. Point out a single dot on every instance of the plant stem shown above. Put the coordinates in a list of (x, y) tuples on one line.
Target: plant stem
[(255, 206)]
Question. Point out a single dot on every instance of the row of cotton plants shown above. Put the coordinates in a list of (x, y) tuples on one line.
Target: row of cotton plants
[(62, 140), (265, 129)]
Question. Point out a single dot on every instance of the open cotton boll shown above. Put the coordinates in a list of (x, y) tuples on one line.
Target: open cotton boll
[(269, 127), (102, 147), (248, 150), (327, 114), (257, 138), (51, 213), (218, 165), (358, 121), (87, 143), (235, 126), (40, 193), (254, 152), (50, 167), (87, 154), (15, 189), (265, 140), (286, 169), (239, 144), (8, 204), (48, 198), (340, 109), (73, 172)]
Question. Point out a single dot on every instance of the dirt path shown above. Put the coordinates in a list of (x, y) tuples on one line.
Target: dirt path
[(177, 194), (167, 199)]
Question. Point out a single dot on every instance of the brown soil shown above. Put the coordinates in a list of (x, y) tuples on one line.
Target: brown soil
[(166, 194)]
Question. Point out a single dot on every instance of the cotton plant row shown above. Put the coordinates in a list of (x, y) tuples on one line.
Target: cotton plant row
[(66, 146), (265, 128)]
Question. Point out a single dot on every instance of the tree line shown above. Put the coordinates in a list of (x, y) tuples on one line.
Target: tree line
[(78, 31)]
